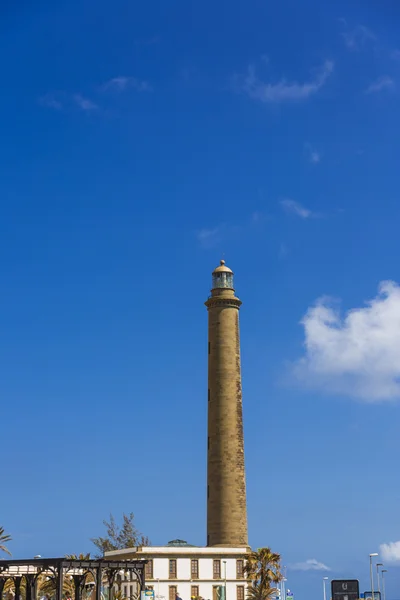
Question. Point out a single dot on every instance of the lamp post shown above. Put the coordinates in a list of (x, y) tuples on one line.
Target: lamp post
[(383, 583), (377, 575), (283, 588), (324, 580), (225, 577), (371, 572)]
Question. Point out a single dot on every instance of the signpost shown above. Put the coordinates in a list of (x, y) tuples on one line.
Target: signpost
[(368, 596), (345, 589)]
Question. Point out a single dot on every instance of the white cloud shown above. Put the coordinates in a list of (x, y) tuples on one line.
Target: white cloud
[(84, 103), (312, 155), (357, 355), (51, 102), (295, 208), (122, 83), (209, 237), (312, 564), (284, 91), (390, 552), (356, 38), (382, 83)]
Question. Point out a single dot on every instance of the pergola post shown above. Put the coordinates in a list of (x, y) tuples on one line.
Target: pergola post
[(60, 581), (98, 582)]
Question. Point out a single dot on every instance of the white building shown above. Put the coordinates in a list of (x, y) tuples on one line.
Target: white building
[(179, 570)]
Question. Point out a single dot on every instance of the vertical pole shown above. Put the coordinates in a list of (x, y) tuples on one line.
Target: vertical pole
[(225, 579), (383, 585), (98, 583), (379, 585), (59, 586), (371, 576), (17, 584), (324, 584)]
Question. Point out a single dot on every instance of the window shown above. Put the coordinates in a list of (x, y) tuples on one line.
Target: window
[(173, 592), (215, 595), (172, 569), (195, 569), (239, 569), (148, 571), (240, 592), (194, 591), (216, 569), (149, 587)]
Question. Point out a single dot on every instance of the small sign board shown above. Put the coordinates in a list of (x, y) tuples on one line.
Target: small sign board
[(147, 595), (368, 595), (345, 589)]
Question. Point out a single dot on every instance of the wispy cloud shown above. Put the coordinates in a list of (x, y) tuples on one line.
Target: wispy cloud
[(312, 155), (283, 90), (292, 207), (312, 564), (50, 102), (357, 38), (84, 103), (357, 355), (390, 552), (64, 101), (382, 83), (209, 237), (122, 83)]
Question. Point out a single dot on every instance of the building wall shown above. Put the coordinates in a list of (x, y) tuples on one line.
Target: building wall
[(161, 583)]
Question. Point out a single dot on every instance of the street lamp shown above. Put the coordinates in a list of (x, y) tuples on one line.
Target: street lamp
[(324, 580), (377, 574), (383, 583), (283, 594), (371, 573), (224, 577)]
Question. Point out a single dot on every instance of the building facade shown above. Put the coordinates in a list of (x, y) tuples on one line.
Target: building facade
[(178, 570)]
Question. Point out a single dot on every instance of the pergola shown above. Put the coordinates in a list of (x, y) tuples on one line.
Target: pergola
[(99, 572)]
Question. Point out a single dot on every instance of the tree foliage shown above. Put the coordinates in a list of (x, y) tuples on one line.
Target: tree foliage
[(263, 570), (4, 538), (122, 536)]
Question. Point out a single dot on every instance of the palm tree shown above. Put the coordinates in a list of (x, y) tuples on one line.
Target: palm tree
[(4, 538), (263, 568)]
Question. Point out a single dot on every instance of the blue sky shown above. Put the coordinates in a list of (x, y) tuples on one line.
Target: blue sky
[(140, 142)]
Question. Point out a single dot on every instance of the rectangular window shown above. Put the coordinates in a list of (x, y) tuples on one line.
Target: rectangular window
[(172, 569), (239, 569), (240, 592), (173, 592), (215, 595), (195, 569), (217, 569), (126, 592), (194, 591), (148, 571)]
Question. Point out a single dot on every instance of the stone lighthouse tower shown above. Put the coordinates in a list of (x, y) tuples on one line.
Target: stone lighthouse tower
[(226, 484)]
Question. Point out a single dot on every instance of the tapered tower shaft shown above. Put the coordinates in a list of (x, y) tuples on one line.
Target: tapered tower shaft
[(226, 485)]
